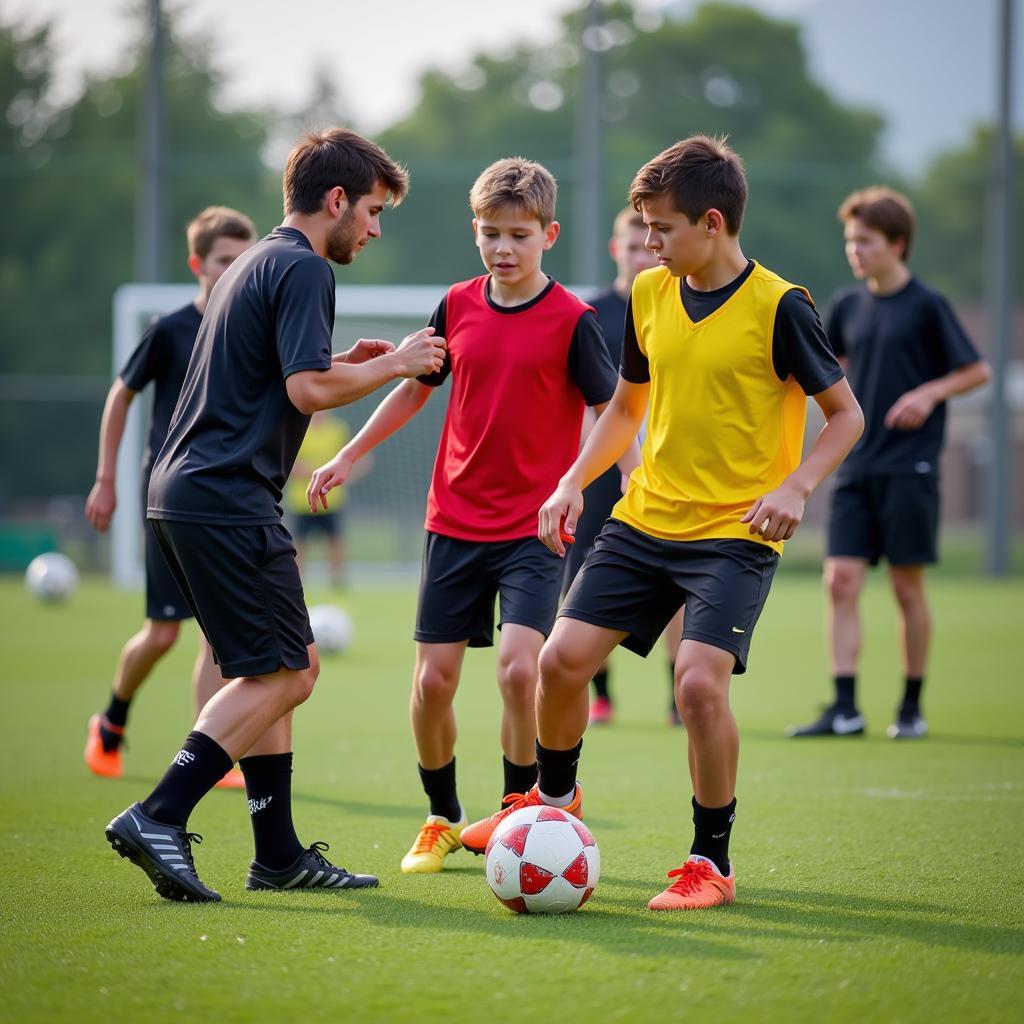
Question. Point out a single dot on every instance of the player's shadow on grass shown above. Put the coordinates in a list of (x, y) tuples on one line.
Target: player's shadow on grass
[(789, 914)]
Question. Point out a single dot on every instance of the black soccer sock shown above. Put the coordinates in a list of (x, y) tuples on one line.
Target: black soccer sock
[(268, 785), (439, 785), (116, 716), (519, 778), (601, 684), (912, 694), (711, 828), (196, 769), (846, 687), (556, 770)]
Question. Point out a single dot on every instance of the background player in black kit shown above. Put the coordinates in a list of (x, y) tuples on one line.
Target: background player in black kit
[(216, 237), (906, 354), (630, 255), (261, 367)]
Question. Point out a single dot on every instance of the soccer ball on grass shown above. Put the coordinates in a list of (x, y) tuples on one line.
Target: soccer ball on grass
[(51, 577), (333, 629), (542, 860)]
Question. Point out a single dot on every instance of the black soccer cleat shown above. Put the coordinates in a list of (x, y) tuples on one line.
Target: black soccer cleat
[(834, 721), (164, 852), (909, 725), (311, 870)]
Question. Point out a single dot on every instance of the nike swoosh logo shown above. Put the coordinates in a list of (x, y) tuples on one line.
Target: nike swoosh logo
[(736, 629)]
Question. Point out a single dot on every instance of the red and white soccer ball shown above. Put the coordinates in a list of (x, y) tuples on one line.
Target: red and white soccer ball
[(542, 860)]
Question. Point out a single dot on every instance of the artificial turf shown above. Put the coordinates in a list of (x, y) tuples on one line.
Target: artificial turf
[(876, 880)]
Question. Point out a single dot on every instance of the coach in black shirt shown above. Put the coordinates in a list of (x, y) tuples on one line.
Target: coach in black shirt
[(906, 353), (262, 365)]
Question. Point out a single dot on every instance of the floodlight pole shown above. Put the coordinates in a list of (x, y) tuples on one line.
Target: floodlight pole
[(149, 201), (587, 225), (1001, 277)]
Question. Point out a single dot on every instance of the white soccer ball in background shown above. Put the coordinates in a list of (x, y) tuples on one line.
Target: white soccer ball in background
[(333, 628), (542, 860), (51, 577)]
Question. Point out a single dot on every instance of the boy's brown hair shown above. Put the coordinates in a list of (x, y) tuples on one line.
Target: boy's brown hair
[(882, 209), (698, 174), (339, 156), (217, 222), (518, 183)]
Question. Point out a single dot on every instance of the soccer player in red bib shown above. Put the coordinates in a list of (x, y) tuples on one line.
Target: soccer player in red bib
[(525, 357)]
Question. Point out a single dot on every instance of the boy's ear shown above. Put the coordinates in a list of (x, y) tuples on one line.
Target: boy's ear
[(476, 237), (195, 264), (714, 222), (551, 234)]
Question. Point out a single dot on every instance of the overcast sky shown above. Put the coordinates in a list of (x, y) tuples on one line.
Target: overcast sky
[(927, 65), (377, 51)]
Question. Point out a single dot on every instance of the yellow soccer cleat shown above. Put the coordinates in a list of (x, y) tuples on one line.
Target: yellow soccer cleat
[(436, 840), (698, 884)]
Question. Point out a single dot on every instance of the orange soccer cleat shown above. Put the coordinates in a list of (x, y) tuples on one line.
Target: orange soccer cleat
[(99, 760), (233, 780), (475, 836), (698, 884)]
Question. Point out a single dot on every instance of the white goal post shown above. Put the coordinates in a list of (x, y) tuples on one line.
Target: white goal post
[(398, 493)]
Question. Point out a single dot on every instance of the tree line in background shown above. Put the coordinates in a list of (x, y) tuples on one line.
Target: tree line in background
[(70, 174)]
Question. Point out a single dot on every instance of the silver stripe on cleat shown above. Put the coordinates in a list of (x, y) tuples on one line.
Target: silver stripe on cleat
[(295, 881)]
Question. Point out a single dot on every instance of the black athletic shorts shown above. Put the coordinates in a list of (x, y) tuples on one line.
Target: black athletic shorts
[(634, 582), (243, 587), (164, 600), (460, 579), (327, 524), (896, 517)]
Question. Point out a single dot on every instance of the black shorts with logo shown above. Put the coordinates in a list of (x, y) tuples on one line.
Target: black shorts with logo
[(634, 582), (164, 600), (895, 517), (243, 586), (461, 578)]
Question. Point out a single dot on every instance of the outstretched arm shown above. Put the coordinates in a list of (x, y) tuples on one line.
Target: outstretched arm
[(102, 500), (777, 515), (614, 432), (390, 416), (345, 382)]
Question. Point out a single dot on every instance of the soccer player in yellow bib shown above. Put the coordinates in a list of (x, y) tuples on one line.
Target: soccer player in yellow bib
[(725, 353)]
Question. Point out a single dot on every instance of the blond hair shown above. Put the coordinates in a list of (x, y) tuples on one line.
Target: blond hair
[(517, 183)]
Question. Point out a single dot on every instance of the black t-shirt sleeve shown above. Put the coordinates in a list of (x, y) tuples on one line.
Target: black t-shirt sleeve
[(957, 348), (305, 317), (834, 327), (439, 321), (800, 347), (590, 365), (148, 361), (634, 366)]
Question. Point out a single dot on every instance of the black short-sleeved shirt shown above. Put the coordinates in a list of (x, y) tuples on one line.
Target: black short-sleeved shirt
[(800, 347), (610, 308), (162, 356), (235, 434), (894, 343), (589, 367)]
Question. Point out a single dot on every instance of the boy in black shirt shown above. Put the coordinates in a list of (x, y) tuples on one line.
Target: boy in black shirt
[(906, 353), (262, 365), (216, 237)]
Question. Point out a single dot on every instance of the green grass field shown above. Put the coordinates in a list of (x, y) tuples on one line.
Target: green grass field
[(876, 881)]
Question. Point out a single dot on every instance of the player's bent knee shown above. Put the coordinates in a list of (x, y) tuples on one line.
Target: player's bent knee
[(302, 683), (517, 676), (699, 696), (434, 686), (161, 636), (560, 668)]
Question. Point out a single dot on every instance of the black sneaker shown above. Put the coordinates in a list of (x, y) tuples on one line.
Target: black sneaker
[(909, 725), (834, 721), (311, 870), (164, 852)]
